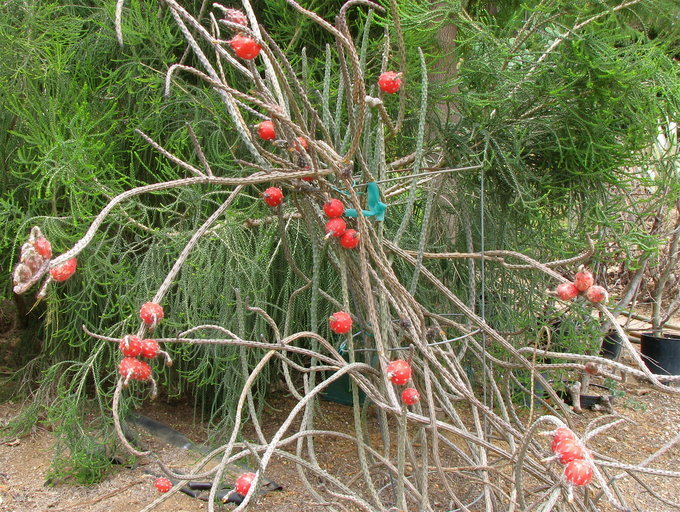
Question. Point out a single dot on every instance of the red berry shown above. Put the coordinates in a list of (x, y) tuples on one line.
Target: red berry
[(131, 368), (561, 434), (410, 396), (163, 484), (43, 247), (583, 280), (596, 294), (336, 227), (302, 142), (334, 208), (130, 346), (64, 271), (567, 291), (266, 130), (126, 368), (273, 196), (236, 16), (243, 483), (151, 313), (350, 239), (579, 472), (340, 322), (389, 82), (399, 372), (245, 47), (142, 371), (308, 178), (570, 449), (149, 348)]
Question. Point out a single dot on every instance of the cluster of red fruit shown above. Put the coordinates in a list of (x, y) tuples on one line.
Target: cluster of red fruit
[(577, 458), (399, 373), (34, 254), (131, 346), (583, 283), (336, 226)]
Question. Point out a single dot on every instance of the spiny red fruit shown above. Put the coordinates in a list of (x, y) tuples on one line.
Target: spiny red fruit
[(130, 346), (340, 322), (579, 472), (64, 271), (243, 482), (334, 208), (126, 368), (570, 449), (399, 372), (410, 396), (142, 371), (561, 434), (151, 313), (389, 82), (336, 227), (162, 484), (301, 141), (236, 16), (149, 348), (266, 130), (567, 291), (244, 46), (273, 196), (131, 368), (350, 239), (596, 294), (583, 280), (43, 247)]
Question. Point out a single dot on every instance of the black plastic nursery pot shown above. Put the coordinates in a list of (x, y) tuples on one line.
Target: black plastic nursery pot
[(661, 352), (611, 346)]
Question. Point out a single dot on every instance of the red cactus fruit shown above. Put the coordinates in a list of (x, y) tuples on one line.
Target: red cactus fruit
[(151, 313), (245, 47), (43, 247), (301, 142), (64, 271), (273, 196), (350, 239), (583, 280), (596, 294), (236, 16), (559, 435), (567, 291), (340, 322), (149, 348), (410, 396), (130, 345), (579, 472), (243, 482), (334, 208), (162, 484), (336, 227), (266, 130), (399, 372), (389, 82), (142, 371), (570, 449)]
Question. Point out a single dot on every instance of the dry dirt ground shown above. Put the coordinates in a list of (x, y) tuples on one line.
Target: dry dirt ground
[(654, 419)]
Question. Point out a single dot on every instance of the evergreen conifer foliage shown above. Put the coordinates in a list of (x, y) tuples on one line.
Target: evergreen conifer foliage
[(214, 243)]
